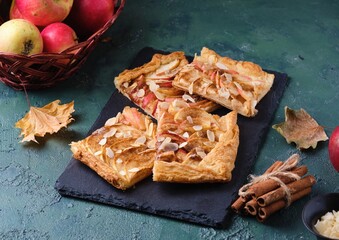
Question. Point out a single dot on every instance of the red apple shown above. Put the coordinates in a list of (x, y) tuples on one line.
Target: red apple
[(14, 12), (20, 36), (88, 16), (57, 37), (333, 148), (44, 12)]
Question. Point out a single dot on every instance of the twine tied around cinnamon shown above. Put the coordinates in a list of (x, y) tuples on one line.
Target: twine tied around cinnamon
[(281, 171)]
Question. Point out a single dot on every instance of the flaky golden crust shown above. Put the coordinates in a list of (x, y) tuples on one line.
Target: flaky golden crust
[(195, 146), (81, 153), (237, 85), (151, 84), (123, 151), (157, 60)]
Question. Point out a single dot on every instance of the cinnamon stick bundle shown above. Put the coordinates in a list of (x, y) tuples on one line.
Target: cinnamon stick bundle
[(261, 188), (279, 186)]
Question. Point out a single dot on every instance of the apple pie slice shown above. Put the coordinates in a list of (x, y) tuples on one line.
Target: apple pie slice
[(122, 151), (194, 146), (237, 85), (151, 84)]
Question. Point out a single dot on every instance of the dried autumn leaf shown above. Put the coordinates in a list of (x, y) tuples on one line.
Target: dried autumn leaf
[(299, 127), (48, 119)]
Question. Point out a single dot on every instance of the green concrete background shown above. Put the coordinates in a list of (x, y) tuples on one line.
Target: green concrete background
[(299, 38)]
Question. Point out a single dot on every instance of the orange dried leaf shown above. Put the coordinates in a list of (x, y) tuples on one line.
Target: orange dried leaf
[(48, 119), (299, 127)]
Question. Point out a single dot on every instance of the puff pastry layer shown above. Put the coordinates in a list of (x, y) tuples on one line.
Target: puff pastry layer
[(194, 146), (123, 151), (151, 84), (237, 85)]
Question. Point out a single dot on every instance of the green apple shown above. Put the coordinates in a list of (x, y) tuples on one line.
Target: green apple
[(20, 36)]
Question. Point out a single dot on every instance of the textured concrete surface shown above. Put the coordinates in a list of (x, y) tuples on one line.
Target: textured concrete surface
[(299, 38)]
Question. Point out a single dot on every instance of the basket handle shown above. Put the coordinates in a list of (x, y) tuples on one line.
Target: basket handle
[(109, 23)]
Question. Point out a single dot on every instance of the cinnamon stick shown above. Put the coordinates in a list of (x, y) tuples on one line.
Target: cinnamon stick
[(260, 188), (238, 205), (251, 207), (270, 169), (273, 167), (280, 192), (265, 212)]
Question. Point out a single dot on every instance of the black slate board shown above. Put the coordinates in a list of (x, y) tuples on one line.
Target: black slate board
[(205, 204)]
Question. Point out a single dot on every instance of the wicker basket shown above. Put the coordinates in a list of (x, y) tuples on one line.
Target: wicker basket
[(47, 69)]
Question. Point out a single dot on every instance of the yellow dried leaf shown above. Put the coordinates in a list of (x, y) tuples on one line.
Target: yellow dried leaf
[(299, 127), (48, 119)]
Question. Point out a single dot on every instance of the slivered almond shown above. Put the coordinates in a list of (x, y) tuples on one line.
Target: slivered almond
[(110, 133), (153, 87), (201, 153), (127, 134), (119, 151), (210, 136), (119, 134), (187, 97), (134, 170), (197, 127), (180, 104), (151, 144), (172, 132), (103, 141), (183, 144), (167, 140), (97, 153), (140, 141), (111, 121), (119, 160), (224, 93), (228, 77), (125, 84), (190, 119), (186, 135), (122, 173), (159, 95), (141, 93), (167, 144), (109, 153)]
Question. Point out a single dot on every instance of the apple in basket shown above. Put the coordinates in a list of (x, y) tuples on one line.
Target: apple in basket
[(57, 37), (14, 12), (20, 36), (44, 12), (88, 16)]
